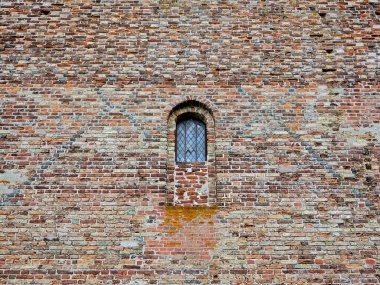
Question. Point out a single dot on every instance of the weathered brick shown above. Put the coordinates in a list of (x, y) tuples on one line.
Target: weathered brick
[(90, 190)]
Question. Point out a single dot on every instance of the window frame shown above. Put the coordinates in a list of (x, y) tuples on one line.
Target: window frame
[(182, 119)]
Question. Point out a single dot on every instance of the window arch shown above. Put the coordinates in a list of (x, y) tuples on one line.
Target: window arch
[(191, 139)]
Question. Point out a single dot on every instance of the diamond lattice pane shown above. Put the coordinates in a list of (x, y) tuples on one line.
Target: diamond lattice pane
[(181, 142), (201, 142), (191, 140)]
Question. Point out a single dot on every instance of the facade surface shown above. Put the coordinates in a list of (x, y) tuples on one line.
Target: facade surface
[(90, 190)]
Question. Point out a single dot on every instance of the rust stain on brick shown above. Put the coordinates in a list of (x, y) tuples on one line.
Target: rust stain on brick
[(186, 233), (176, 217)]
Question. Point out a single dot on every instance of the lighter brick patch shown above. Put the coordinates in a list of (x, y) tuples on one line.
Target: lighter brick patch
[(9, 179), (129, 243), (373, 130), (287, 168)]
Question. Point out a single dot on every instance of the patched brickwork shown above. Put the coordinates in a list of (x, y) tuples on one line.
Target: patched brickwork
[(191, 184), (90, 189)]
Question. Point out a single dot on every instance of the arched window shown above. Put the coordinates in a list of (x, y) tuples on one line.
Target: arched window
[(191, 164), (190, 140)]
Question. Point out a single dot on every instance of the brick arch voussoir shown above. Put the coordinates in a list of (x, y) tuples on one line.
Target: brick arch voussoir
[(187, 101)]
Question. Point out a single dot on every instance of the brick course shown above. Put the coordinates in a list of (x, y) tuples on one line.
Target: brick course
[(87, 89)]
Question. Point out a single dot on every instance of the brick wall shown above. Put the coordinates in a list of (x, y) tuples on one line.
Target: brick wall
[(87, 89)]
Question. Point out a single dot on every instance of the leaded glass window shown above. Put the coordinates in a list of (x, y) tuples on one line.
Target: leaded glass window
[(191, 140)]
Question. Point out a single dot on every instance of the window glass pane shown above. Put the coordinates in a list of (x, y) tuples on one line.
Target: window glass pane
[(191, 141), (181, 142), (201, 142)]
